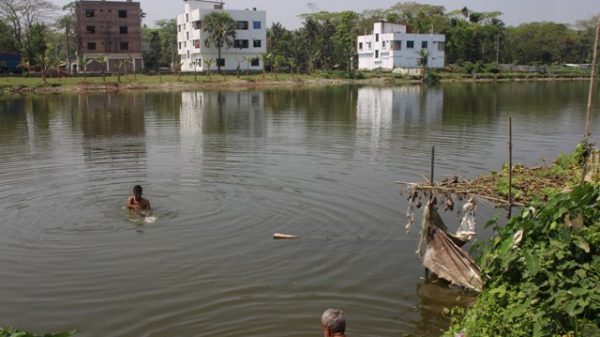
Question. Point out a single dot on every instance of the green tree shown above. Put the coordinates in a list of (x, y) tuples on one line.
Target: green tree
[(66, 24), (103, 62), (167, 33), (23, 16), (152, 56), (345, 39), (536, 42), (7, 42), (36, 43), (209, 63), (220, 27)]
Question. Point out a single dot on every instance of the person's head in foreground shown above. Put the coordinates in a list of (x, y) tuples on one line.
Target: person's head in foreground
[(333, 323)]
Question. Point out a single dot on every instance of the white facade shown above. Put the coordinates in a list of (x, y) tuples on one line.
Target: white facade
[(391, 47), (193, 46)]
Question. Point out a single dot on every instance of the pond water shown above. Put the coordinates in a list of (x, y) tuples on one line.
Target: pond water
[(226, 170)]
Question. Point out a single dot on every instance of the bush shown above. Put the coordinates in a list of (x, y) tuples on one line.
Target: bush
[(546, 284)]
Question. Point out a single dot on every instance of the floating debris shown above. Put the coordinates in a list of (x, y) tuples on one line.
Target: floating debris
[(280, 236)]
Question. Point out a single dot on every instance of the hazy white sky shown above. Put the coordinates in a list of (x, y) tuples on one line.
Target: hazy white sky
[(286, 11)]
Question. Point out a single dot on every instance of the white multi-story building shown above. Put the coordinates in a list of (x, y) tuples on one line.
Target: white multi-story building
[(195, 49), (391, 47)]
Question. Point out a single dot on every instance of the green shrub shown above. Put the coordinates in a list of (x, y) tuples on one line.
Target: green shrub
[(546, 284)]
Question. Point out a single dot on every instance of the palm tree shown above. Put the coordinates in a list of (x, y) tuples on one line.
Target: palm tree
[(209, 63), (103, 61), (195, 64), (248, 60), (220, 27), (423, 57)]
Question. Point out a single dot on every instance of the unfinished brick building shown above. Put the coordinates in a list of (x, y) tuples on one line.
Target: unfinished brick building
[(109, 31)]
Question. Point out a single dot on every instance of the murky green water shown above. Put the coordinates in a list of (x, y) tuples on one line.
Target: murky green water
[(226, 170)]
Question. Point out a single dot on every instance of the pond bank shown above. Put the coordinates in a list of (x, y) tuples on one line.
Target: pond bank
[(22, 85)]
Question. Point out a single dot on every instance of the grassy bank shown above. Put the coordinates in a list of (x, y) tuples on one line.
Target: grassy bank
[(23, 84), (542, 269)]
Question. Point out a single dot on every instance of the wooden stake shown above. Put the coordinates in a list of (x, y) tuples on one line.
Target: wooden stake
[(432, 164), (509, 167), (432, 191), (592, 78)]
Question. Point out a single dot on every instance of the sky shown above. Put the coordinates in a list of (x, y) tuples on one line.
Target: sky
[(286, 12)]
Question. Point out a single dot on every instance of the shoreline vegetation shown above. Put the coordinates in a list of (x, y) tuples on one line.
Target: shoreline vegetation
[(542, 269), (189, 81)]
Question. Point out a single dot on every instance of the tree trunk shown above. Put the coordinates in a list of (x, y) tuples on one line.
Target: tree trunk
[(218, 60)]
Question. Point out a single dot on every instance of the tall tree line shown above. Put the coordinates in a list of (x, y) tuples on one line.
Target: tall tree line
[(328, 40), (325, 41)]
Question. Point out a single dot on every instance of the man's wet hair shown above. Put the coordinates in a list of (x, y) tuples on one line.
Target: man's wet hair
[(334, 320), (137, 188)]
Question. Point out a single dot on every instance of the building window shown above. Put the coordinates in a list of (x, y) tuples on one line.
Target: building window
[(123, 30), (179, 28), (376, 37), (376, 54), (124, 45), (89, 13), (90, 29), (257, 25), (440, 46), (243, 25), (368, 45), (360, 46), (91, 45), (257, 43), (179, 45), (221, 62), (423, 44), (383, 44), (187, 35), (242, 44), (397, 45), (410, 44), (122, 13), (188, 54), (187, 17), (196, 44), (255, 62), (197, 24)]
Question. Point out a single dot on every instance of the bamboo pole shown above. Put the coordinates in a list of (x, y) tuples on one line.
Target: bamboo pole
[(432, 191), (432, 164), (509, 167), (592, 78)]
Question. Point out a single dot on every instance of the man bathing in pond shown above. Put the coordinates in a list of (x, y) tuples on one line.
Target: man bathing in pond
[(138, 204)]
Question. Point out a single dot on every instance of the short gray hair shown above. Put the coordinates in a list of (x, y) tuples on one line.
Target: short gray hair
[(334, 320)]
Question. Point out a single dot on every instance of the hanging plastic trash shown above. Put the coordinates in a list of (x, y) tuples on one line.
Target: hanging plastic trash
[(466, 230)]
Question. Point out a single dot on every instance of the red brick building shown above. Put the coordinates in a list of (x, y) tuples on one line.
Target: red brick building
[(109, 29)]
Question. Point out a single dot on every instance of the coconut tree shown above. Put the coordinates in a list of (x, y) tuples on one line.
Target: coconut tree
[(220, 27), (195, 64), (423, 56), (209, 63), (103, 61)]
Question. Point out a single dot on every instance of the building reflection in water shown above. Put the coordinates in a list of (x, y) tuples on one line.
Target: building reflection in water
[(411, 108), (113, 127), (214, 126), (191, 120)]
